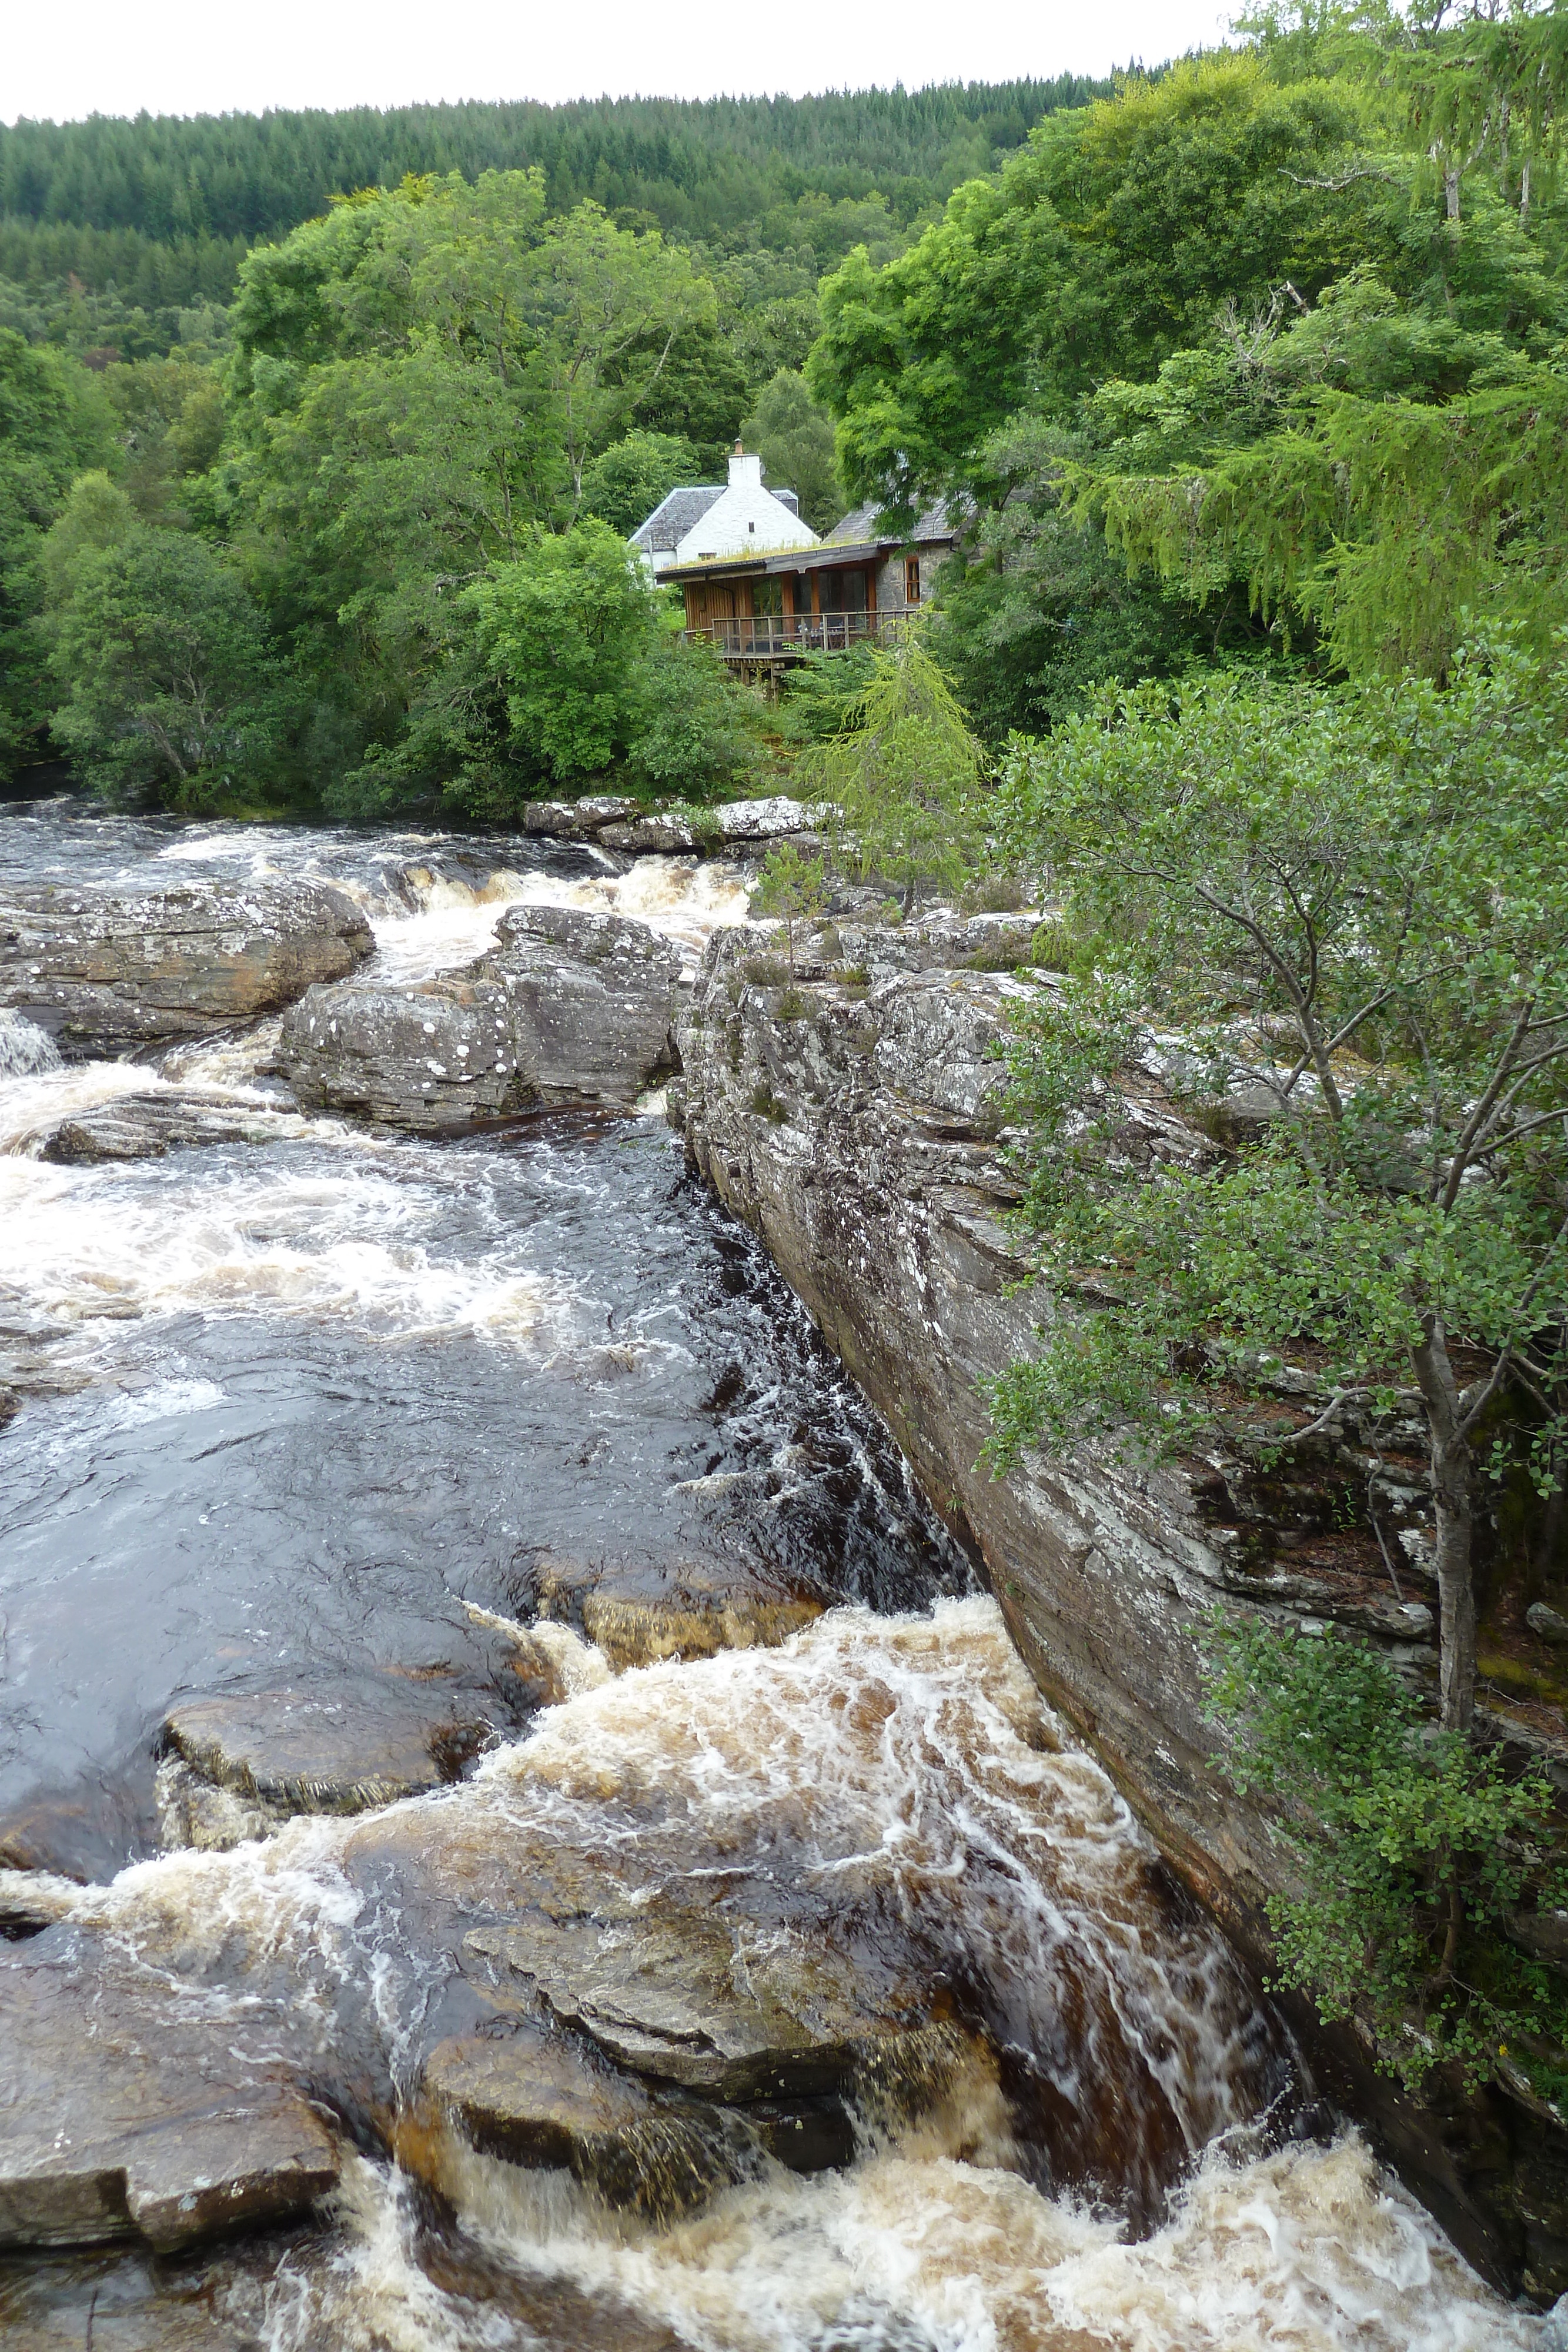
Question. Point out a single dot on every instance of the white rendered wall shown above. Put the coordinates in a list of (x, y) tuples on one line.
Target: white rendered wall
[(747, 520)]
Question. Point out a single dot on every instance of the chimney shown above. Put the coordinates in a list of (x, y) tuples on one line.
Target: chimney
[(745, 473)]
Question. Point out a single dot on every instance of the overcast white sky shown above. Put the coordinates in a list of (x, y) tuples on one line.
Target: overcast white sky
[(60, 60)]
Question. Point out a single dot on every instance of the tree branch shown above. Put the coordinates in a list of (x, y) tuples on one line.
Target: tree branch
[(1482, 1111)]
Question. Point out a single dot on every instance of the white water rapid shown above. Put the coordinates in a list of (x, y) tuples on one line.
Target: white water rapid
[(321, 1412)]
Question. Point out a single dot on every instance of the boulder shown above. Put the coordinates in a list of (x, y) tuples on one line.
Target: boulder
[(567, 1009), (593, 999), (765, 820), (633, 1632), (660, 834), (629, 825), (122, 2115), (146, 1126), (535, 2099), (105, 971), (280, 1752), (681, 2001), (434, 1058)]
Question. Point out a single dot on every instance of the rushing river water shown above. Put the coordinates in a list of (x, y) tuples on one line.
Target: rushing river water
[(293, 1409)]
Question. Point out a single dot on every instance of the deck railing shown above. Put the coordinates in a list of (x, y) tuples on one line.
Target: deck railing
[(775, 637)]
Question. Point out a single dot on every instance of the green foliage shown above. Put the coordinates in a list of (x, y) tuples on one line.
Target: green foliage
[(553, 668), (903, 777), (163, 660), (1036, 610), (1106, 243), (571, 320), (692, 729), (1413, 1848), (793, 886), (171, 429), (1384, 521), (96, 514), (700, 167), (818, 693), (1354, 908), (565, 626), (625, 482), (54, 424), (794, 438)]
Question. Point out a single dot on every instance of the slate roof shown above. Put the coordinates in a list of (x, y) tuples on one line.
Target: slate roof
[(682, 510), (674, 516), (859, 527)]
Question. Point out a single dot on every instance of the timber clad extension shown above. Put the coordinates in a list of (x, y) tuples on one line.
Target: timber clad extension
[(765, 589)]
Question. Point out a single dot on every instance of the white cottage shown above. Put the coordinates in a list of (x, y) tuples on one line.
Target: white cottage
[(705, 523)]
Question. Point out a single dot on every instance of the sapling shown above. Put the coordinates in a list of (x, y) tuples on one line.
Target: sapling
[(793, 886)]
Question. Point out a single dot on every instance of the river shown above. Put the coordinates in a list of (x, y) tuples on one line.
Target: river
[(316, 1410)]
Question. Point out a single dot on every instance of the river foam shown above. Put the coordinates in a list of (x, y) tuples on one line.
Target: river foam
[(913, 1754), (255, 1235), (332, 1385)]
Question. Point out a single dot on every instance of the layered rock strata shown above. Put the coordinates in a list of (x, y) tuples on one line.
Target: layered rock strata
[(849, 1114), (617, 822), (106, 971), (568, 1009)]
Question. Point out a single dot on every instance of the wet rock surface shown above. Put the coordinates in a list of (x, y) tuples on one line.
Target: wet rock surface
[(104, 971), (627, 825), (331, 1750), (568, 1009), (638, 1944), (852, 1121), (121, 2115), (145, 1126)]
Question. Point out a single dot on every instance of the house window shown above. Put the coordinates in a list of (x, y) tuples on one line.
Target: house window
[(854, 592), (912, 579), (768, 597)]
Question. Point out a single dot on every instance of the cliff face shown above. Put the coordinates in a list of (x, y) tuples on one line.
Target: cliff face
[(849, 1115)]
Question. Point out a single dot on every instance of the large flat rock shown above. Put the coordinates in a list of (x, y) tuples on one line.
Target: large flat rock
[(627, 825), (570, 1009), (534, 2100), (147, 1125), (122, 2112), (105, 971), (327, 1751)]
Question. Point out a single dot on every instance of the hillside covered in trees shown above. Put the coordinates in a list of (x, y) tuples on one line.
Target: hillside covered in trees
[(1260, 358), (110, 228)]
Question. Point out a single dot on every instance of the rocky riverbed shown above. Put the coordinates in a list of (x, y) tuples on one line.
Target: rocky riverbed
[(519, 1822)]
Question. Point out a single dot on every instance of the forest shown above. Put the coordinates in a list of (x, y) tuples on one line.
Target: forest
[(1258, 359)]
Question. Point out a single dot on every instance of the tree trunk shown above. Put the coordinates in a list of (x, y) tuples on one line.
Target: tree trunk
[(1453, 1480), (1452, 194), (1455, 1587)]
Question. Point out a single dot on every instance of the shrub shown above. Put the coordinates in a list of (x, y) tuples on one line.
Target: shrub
[(1414, 1845), (163, 657)]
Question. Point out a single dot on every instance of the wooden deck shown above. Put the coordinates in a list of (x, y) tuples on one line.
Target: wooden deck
[(775, 637)]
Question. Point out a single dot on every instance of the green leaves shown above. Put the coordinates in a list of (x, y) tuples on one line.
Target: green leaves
[(1413, 1847), (1386, 523), (563, 626), (1110, 240), (168, 679), (1342, 920), (903, 776), (794, 440)]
